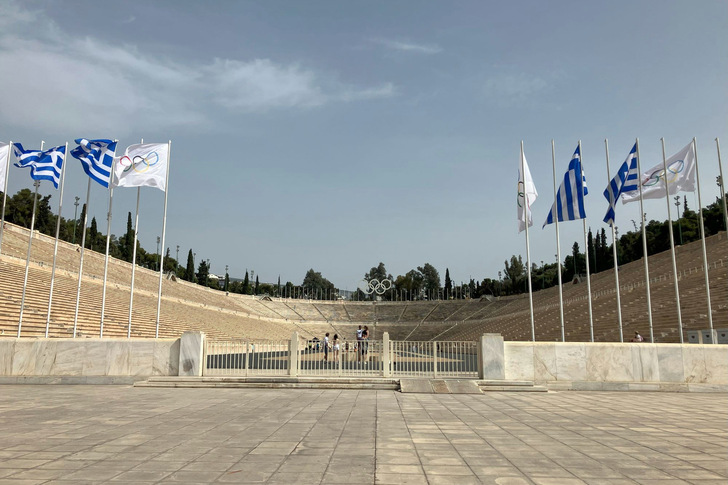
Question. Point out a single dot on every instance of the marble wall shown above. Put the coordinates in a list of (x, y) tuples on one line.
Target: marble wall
[(616, 362), (89, 357)]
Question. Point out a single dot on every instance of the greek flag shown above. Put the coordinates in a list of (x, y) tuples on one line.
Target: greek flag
[(569, 203), (96, 157), (45, 165), (625, 181)]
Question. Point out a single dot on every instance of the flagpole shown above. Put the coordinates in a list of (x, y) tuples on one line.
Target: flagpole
[(558, 246), (133, 258), (108, 239), (36, 183), (614, 254), (586, 252), (702, 239), (526, 214), (672, 241), (80, 265), (55, 247), (722, 183), (5, 194), (133, 261), (164, 229), (644, 245)]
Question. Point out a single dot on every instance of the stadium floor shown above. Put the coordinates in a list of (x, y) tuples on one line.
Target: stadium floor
[(121, 434)]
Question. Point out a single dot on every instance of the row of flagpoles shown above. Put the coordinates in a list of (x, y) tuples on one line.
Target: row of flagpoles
[(141, 165), (679, 173)]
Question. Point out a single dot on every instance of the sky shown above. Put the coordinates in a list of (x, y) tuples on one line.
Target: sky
[(336, 135)]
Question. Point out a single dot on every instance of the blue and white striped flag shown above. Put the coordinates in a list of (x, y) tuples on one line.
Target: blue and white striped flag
[(625, 181), (45, 165), (569, 203), (96, 157)]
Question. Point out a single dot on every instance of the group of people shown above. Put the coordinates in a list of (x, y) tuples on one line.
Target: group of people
[(361, 347)]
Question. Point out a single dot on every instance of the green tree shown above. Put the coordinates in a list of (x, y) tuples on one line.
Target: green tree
[(257, 285), (203, 271), (514, 274), (448, 284), (316, 285), (127, 240), (93, 235), (226, 284), (430, 278), (411, 283), (245, 289), (190, 269)]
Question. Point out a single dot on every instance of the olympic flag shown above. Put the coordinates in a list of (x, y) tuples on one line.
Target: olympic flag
[(526, 196), (680, 176), (143, 165), (4, 162)]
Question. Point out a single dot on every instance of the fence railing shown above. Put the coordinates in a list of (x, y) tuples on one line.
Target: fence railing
[(246, 357), (364, 358)]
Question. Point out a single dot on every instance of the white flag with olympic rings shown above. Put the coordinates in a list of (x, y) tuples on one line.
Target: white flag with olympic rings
[(680, 176), (4, 162), (142, 166)]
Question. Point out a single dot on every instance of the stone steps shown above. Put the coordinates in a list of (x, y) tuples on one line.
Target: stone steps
[(509, 386), (273, 382)]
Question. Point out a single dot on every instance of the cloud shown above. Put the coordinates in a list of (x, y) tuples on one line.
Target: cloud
[(57, 81), (514, 87), (402, 46), (129, 20)]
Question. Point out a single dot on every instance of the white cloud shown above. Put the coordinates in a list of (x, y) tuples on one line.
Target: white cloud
[(55, 81), (403, 46), (514, 87)]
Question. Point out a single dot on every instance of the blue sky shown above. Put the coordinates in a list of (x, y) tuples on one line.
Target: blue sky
[(335, 135)]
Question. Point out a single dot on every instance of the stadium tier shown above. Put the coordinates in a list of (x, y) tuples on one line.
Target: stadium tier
[(186, 306)]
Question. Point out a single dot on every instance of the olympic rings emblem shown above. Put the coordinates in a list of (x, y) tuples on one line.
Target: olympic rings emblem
[(139, 164), (674, 169), (521, 195), (376, 286)]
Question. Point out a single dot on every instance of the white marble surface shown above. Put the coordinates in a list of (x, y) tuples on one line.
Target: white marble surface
[(70, 357), (544, 361), (492, 350), (166, 357), (190, 353), (571, 361), (609, 362), (645, 367), (670, 362), (7, 348), (519, 360), (141, 357)]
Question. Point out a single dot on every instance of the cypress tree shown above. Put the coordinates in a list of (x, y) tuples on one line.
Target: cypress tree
[(190, 269), (246, 283), (448, 284)]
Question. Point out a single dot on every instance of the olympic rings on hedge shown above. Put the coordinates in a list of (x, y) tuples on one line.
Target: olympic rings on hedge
[(376, 286)]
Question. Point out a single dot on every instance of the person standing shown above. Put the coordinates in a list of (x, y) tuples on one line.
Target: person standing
[(326, 347), (336, 347)]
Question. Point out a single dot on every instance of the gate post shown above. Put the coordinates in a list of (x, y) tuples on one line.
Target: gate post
[(191, 354), (434, 359), (386, 363), (491, 357), (293, 355)]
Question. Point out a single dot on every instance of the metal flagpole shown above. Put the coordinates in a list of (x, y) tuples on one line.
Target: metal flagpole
[(672, 241), (133, 258), (722, 183), (5, 195), (55, 247), (30, 243), (526, 213), (80, 265), (586, 253), (614, 254), (108, 239), (558, 246), (164, 229), (644, 245), (702, 239)]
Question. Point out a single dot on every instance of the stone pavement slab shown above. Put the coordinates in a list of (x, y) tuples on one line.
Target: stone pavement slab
[(121, 434)]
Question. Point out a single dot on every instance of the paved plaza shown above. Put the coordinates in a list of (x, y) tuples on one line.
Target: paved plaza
[(120, 434)]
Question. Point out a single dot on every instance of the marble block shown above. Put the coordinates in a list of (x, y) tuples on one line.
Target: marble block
[(118, 361), (93, 354), (7, 348), (23, 362), (70, 356), (645, 367), (141, 357), (670, 361), (544, 361), (609, 362), (716, 361), (190, 353), (694, 365), (571, 361), (166, 357), (519, 360), (491, 359)]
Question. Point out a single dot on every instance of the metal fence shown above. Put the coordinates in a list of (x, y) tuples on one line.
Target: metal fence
[(365, 358), (246, 357), (434, 359), (361, 358)]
